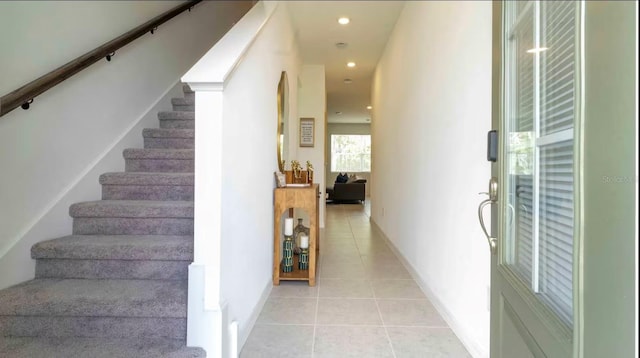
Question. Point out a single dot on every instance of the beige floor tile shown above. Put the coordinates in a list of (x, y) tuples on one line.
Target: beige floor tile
[(357, 342), (294, 289), (362, 234), (396, 312), (397, 289), (418, 342), (335, 267), (372, 243), (337, 258), (336, 250), (380, 258), (345, 288), (339, 237), (386, 271), (374, 249), (343, 259), (343, 311), (342, 230), (268, 341), (338, 245), (285, 310)]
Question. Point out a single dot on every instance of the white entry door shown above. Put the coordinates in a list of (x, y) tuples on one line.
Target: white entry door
[(537, 106)]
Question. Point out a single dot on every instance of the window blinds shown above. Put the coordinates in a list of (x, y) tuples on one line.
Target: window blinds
[(556, 164), (541, 99)]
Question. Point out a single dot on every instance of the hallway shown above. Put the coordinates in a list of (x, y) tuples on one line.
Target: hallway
[(365, 303)]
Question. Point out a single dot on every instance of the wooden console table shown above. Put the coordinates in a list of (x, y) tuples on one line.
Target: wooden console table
[(305, 198)]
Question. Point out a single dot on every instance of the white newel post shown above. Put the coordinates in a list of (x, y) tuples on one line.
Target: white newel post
[(206, 316), (208, 324)]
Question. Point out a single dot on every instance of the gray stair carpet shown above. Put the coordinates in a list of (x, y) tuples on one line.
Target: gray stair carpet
[(117, 285)]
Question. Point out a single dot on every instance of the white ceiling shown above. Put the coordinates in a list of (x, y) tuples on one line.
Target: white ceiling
[(317, 32)]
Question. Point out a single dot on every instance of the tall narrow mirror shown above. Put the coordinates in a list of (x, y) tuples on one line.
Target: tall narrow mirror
[(283, 113)]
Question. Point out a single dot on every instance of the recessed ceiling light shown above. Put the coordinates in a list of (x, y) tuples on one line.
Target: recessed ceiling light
[(351, 64), (343, 20), (369, 107), (348, 80), (341, 44)]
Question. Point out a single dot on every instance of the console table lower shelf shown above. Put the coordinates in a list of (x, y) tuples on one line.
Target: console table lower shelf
[(286, 199), (297, 274)]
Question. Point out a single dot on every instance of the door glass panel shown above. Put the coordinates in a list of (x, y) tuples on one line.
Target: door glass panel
[(520, 143), (540, 106), (557, 66), (556, 227)]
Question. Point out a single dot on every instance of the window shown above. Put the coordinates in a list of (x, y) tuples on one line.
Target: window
[(541, 100), (350, 153)]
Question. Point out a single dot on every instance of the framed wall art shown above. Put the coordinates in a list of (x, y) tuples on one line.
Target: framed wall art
[(307, 132)]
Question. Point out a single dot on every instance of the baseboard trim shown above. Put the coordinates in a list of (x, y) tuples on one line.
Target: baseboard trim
[(253, 318), (474, 348)]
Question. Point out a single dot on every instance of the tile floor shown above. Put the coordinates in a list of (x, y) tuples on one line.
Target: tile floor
[(365, 303)]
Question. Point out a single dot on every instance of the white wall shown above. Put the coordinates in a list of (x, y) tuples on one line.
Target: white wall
[(249, 161), (312, 103), (346, 128), (52, 154), (432, 110)]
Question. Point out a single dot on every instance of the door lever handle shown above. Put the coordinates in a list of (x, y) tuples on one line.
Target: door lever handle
[(493, 198), (493, 242)]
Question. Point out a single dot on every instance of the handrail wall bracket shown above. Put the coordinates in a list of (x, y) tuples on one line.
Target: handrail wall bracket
[(23, 96)]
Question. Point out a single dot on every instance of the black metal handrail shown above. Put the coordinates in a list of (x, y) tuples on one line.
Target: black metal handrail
[(24, 95)]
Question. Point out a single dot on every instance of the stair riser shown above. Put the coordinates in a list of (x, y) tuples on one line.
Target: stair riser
[(177, 123), (169, 143), (132, 226), (102, 327), (112, 269), (184, 107), (159, 165), (147, 192), (190, 95)]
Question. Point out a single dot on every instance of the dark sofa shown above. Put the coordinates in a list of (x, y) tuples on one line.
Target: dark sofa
[(346, 192)]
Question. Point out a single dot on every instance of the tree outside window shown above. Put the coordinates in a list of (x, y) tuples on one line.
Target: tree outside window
[(350, 153)]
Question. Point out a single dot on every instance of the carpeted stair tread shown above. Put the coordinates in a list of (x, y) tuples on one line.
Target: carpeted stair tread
[(178, 138), (96, 298), (147, 178), (156, 153), (168, 133), (183, 104), (93, 327), (113, 269), (181, 101), (187, 89), (116, 247), (132, 209), (177, 115), (28, 347)]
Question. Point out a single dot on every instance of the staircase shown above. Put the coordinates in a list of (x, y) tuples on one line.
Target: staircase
[(116, 287)]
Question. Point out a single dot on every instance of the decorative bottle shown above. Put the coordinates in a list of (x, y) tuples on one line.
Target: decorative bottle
[(297, 232)]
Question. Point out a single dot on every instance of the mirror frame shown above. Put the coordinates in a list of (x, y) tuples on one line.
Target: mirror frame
[(281, 98)]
